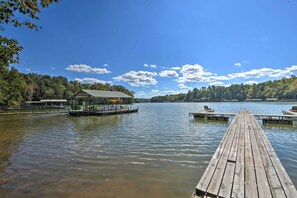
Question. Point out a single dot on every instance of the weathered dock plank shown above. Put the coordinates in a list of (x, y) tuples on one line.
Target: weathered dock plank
[(250, 177), (215, 184), (206, 177), (262, 182), (245, 165), (286, 183), (238, 186), (274, 183)]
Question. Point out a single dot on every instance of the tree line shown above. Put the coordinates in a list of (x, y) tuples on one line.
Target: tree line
[(169, 98), (16, 87), (284, 89)]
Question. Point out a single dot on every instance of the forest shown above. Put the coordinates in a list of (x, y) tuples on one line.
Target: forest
[(284, 90), (16, 87)]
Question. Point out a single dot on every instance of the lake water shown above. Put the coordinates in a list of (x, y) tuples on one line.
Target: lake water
[(160, 151)]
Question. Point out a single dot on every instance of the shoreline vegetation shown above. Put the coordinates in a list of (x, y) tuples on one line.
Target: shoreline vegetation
[(284, 90), (16, 88)]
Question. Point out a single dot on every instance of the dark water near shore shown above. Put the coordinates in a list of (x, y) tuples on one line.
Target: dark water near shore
[(159, 151)]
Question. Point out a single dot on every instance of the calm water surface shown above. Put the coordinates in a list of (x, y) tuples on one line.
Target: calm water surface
[(159, 151)]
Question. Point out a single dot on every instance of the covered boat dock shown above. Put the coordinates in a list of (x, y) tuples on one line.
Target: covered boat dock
[(96, 102)]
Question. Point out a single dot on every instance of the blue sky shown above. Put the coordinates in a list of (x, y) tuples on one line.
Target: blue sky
[(158, 47)]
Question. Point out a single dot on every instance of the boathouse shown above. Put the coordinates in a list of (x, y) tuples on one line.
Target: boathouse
[(102, 97), (97, 102)]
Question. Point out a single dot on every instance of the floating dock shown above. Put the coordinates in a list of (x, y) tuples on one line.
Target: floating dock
[(266, 118), (277, 119), (245, 165), (101, 112), (289, 112), (212, 115)]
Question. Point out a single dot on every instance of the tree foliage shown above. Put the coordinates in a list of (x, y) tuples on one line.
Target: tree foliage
[(284, 89), (169, 98), (9, 52), (9, 10), (15, 87)]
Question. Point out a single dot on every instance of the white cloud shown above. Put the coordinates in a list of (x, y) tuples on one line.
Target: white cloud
[(91, 81), (138, 78), (150, 65), (184, 86), (196, 73), (265, 72), (245, 61), (175, 68), (216, 83), (251, 82), (105, 65), (28, 69), (155, 91), (237, 64), (168, 73), (52, 68), (87, 69)]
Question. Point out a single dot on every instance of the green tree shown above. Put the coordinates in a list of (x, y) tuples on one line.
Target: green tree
[(16, 89), (3, 87), (9, 10)]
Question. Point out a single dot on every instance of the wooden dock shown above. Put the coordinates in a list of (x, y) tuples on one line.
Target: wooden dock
[(289, 112), (266, 118), (245, 165), (277, 119), (212, 115)]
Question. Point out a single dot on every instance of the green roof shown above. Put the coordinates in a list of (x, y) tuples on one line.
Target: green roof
[(101, 94)]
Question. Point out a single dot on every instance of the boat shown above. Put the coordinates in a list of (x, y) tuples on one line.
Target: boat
[(208, 109)]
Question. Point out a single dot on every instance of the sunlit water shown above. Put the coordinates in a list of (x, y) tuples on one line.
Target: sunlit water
[(160, 151)]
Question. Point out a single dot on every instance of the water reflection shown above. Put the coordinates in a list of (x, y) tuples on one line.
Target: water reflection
[(204, 121)]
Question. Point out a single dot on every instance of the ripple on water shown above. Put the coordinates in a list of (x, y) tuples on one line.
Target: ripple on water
[(150, 151)]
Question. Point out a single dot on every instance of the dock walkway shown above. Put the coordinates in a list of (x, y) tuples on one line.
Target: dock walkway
[(245, 165)]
